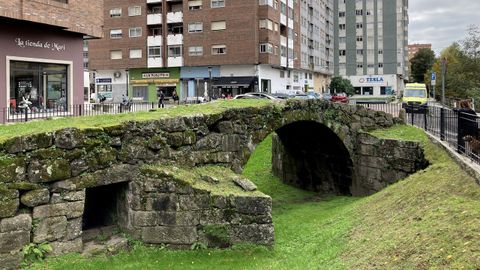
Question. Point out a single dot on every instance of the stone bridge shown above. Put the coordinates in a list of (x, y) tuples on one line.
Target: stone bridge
[(169, 180)]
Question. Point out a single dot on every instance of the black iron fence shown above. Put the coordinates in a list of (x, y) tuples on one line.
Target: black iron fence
[(11, 114)]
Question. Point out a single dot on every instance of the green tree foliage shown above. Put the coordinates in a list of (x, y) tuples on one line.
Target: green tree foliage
[(422, 62), (341, 85)]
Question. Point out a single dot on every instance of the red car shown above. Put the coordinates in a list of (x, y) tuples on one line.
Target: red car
[(342, 97)]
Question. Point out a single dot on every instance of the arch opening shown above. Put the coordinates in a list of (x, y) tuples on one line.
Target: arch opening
[(309, 155)]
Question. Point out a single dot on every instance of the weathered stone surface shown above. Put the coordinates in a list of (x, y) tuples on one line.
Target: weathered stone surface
[(73, 196), (169, 235), (13, 241), (231, 143), (69, 138), (74, 229), (36, 197), (245, 184), (163, 202), (253, 205), (48, 170), (190, 202), (262, 234), (9, 202), (11, 260), (12, 169), (28, 143), (22, 222), (64, 247), (49, 229), (68, 209)]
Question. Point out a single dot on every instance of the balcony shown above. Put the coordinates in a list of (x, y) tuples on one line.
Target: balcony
[(175, 39), (154, 19), (154, 41), (283, 61), (155, 62), (175, 17), (154, 1), (175, 61)]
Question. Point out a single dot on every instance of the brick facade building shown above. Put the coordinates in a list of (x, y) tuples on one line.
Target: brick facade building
[(199, 48)]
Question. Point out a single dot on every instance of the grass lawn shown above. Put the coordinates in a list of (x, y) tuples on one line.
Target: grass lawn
[(430, 220), (19, 129)]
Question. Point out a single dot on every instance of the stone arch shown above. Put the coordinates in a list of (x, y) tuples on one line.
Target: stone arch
[(309, 155)]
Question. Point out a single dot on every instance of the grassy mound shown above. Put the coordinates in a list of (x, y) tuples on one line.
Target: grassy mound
[(429, 220)]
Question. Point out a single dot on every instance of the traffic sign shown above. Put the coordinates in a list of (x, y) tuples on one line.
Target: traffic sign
[(434, 78)]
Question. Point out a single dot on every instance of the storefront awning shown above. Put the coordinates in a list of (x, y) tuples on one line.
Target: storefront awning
[(233, 82)]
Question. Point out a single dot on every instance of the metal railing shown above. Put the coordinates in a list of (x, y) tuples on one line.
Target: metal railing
[(10, 115)]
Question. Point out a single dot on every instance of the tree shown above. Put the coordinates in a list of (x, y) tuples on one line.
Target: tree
[(422, 62), (471, 44), (341, 85)]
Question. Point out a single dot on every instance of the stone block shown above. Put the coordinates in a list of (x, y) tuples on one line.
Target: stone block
[(11, 260), (12, 169), (211, 142), (49, 229), (9, 202), (262, 234), (68, 209), (191, 202), (219, 201), (64, 247), (36, 197), (48, 170), (169, 235), (162, 202), (215, 216), (69, 138), (174, 124), (367, 150), (74, 229), (189, 218), (144, 218), (73, 196), (244, 183), (253, 205), (13, 241), (225, 127), (22, 222), (231, 143), (28, 143)]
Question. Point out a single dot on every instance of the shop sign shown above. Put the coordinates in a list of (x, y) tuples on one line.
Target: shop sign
[(103, 80), (371, 80), (53, 46), (155, 75)]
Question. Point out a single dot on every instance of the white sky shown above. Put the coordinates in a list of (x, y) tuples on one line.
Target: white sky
[(441, 22)]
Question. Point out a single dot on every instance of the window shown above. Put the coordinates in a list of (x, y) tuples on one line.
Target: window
[(380, 51), (359, 65), (116, 33), (341, 14), (156, 31), (359, 12), (220, 25), (194, 4), (360, 52), (266, 24), (219, 49), (135, 11), (266, 48), (195, 51), (135, 32), (380, 65), (135, 53), (217, 3), (175, 51), (195, 27), (115, 55), (155, 51), (342, 52), (116, 12), (359, 25), (359, 38), (342, 26), (282, 74)]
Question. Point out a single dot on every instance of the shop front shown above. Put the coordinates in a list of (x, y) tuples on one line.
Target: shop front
[(147, 84), (376, 85), (232, 86), (196, 81), (42, 67)]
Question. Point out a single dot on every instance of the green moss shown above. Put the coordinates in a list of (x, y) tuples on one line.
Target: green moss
[(25, 186), (193, 177), (217, 235)]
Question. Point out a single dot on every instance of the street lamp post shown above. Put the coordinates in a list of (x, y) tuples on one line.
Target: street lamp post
[(126, 82), (210, 83)]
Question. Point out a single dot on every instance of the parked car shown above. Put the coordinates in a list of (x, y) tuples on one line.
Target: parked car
[(327, 96), (303, 96), (340, 97), (314, 95), (281, 96), (261, 95), (246, 96)]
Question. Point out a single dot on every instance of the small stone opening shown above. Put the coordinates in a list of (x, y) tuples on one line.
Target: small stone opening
[(311, 156), (105, 206)]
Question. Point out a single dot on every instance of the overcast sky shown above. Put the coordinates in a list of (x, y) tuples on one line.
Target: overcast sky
[(441, 22)]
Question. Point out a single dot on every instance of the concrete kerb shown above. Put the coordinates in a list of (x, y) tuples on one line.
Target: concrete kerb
[(470, 167)]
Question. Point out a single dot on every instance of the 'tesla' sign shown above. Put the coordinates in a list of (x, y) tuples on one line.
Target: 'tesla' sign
[(371, 80)]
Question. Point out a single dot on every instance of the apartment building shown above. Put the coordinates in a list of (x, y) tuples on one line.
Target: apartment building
[(371, 39), (41, 47), (414, 48), (316, 43), (208, 48)]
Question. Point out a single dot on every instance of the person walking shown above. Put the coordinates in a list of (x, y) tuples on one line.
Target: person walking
[(161, 100), (467, 124)]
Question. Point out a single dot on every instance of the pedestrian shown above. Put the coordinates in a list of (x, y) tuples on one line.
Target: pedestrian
[(161, 100), (175, 96), (467, 124)]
